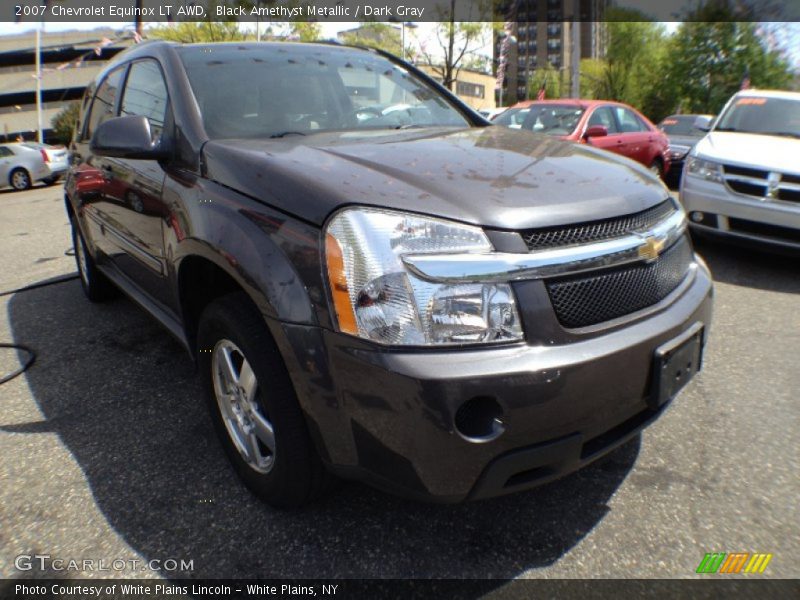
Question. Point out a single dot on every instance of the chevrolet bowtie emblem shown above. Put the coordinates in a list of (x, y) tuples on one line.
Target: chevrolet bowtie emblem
[(651, 248)]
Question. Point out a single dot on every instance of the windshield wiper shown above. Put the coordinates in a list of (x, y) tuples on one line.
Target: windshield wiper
[(285, 133)]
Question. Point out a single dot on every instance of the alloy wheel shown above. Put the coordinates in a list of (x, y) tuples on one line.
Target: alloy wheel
[(237, 390)]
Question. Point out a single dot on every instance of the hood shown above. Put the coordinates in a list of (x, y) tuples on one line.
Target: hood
[(684, 140), (491, 176), (771, 153)]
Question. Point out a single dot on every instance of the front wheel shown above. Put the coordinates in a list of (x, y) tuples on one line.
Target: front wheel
[(254, 407)]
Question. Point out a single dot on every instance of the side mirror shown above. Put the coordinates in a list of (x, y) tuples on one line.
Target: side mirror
[(127, 137), (595, 131), (703, 123)]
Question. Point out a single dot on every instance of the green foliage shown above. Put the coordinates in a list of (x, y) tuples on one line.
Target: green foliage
[(709, 61), (695, 70), (305, 31), (549, 77), (198, 32), (376, 35), (65, 121)]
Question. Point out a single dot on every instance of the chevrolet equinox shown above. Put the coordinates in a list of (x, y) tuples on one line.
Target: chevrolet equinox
[(374, 281)]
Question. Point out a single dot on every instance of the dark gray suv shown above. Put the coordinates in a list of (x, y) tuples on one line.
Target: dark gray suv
[(373, 280)]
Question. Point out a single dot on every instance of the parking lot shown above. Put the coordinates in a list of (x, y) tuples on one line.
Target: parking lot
[(106, 452)]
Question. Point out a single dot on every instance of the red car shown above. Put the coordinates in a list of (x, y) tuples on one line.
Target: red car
[(609, 125)]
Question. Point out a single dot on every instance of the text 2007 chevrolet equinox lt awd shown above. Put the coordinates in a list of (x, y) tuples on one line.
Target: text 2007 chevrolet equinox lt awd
[(375, 282)]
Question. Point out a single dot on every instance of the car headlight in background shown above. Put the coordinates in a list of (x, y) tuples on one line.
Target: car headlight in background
[(376, 298), (706, 169)]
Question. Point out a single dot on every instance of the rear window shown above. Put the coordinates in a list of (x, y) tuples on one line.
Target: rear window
[(680, 125)]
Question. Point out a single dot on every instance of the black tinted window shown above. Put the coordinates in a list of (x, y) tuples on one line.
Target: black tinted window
[(677, 125), (5, 151), (628, 121), (146, 95), (104, 101), (603, 116)]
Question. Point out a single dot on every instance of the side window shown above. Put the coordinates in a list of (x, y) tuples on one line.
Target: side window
[(628, 122), (603, 116), (146, 95), (4, 151), (104, 101)]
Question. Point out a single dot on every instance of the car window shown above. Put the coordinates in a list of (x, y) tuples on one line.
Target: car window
[(553, 119), (5, 151), (762, 115), (679, 125), (603, 116), (264, 92), (146, 95), (513, 117), (104, 105), (628, 121)]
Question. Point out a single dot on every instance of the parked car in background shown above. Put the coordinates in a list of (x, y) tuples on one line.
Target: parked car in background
[(742, 180), (683, 131), (446, 309), (608, 125), (54, 157), (23, 163), (492, 113)]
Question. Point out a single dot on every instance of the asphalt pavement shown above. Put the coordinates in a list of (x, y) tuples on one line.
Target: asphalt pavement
[(107, 453)]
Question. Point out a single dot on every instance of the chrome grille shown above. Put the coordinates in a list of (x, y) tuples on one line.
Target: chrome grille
[(584, 300), (770, 185), (593, 231)]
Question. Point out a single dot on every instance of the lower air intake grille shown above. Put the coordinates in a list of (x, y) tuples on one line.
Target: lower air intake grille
[(586, 300)]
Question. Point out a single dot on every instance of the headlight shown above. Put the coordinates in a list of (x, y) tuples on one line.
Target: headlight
[(376, 298), (706, 169)]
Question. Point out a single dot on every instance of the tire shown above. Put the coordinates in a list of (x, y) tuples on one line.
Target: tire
[(95, 285), (657, 169), (264, 434), (20, 179)]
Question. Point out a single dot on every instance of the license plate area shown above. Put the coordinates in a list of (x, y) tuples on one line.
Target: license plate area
[(674, 365)]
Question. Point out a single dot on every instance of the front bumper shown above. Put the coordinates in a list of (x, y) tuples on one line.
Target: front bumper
[(738, 217), (567, 398)]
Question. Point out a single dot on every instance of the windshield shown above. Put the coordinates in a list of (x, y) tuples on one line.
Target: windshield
[(274, 90), (552, 119), (766, 116), (680, 125)]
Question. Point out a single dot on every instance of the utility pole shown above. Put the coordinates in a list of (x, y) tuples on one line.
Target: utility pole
[(575, 63), (39, 132), (139, 17)]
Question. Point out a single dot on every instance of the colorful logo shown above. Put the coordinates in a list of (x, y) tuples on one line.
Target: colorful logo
[(736, 562)]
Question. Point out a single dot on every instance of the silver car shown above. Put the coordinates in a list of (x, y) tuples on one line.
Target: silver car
[(23, 163), (742, 180)]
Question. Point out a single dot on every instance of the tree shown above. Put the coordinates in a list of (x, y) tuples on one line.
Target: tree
[(710, 60), (65, 121), (201, 31), (377, 35), (305, 31), (457, 40)]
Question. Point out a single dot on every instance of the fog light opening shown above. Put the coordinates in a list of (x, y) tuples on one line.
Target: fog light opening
[(479, 420), (697, 216)]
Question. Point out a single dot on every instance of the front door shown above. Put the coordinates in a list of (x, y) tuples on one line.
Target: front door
[(133, 188)]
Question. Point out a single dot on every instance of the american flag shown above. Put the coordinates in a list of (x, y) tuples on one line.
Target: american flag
[(501, 66), (745, 80)]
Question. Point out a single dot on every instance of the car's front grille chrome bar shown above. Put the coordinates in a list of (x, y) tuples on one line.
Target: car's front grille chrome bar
[(500, 266)]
